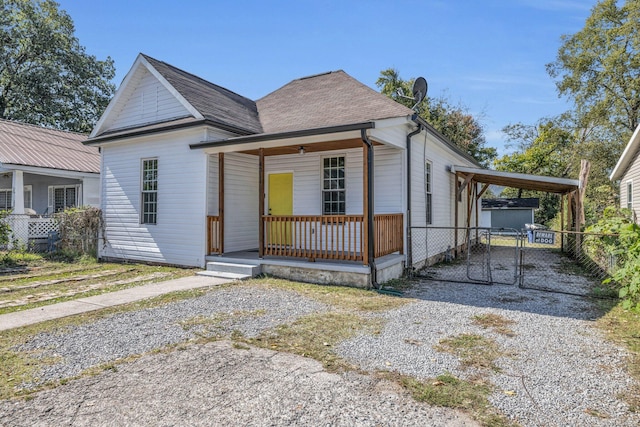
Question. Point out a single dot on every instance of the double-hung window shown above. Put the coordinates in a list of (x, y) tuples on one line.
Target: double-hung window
[(149, 191), (428, 187), (333, 186), (630, 195)]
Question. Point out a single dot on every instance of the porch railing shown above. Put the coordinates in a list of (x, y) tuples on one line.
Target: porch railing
[(389, 234), (214, 236), (337, 237)]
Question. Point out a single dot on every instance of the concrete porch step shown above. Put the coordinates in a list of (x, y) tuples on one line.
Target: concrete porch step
[(223, 275), (230, 270)]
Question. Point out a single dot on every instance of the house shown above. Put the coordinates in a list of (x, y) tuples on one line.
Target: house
[(43, 171), (320, 180), (627, 171), (512, 213)]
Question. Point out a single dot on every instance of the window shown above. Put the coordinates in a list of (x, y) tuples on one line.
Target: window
[(428, 185), (6, 200), (62, 197), (333, 186), (629, 195), (149, 191)]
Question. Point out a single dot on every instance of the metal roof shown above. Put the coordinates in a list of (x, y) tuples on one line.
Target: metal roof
[(29, 145), (519, 180)]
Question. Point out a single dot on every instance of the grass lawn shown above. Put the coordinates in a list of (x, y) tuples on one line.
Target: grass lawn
[(33, 280)]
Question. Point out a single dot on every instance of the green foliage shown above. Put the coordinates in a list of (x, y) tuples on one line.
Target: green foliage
[(46, 77), (598, 67), (80, 229), (620, 238), (454, 122), (5, 230)]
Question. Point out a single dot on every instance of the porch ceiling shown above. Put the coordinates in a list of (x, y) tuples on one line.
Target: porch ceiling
[(342, 144), (519, 180)]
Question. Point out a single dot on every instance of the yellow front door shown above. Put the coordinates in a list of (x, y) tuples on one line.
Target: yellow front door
[(280, 203)]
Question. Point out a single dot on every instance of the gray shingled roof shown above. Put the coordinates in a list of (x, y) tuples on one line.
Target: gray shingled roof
[(324, 100), (28, 145), (214, 102)]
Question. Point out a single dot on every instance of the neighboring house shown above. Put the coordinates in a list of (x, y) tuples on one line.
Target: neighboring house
[(511, 213), (627, 171), (324, 168), (43, 171)]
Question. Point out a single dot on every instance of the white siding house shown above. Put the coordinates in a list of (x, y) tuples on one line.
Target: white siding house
[(627, 171), (191, 170)]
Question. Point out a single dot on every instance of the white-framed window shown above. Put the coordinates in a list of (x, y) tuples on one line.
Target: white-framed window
[(630, 195), (428, 188), (149, 196), (6, 198), (333, 186), (62, 197)]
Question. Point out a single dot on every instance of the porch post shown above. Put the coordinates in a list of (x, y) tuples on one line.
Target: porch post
[(365, 205), (18, 192), (260, 203), (19, 221), (458, 189), (221, 203)]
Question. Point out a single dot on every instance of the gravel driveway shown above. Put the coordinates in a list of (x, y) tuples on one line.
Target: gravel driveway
[(558, 370)]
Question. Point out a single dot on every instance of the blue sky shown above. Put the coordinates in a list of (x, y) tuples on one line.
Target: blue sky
[(488, 55)]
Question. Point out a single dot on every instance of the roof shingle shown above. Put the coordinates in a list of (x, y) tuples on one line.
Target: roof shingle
[(214, 102), (324, 100)]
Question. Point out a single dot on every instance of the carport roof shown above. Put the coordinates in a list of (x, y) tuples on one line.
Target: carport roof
[(519, 180)]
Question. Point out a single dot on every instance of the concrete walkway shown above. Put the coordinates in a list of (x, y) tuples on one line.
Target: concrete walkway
[(83, 305)]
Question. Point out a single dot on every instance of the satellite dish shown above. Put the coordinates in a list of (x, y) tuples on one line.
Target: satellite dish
[(419, 90)]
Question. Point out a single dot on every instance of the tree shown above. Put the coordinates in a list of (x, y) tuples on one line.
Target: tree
[(542, 149), (598, 68), (46, 77), (453, 122)]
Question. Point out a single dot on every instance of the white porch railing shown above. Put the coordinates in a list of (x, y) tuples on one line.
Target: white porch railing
[(25, 228)]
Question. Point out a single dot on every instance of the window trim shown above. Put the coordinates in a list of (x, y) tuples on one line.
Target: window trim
[(428, 193), (322, 190), (629, 204), (143, 192)]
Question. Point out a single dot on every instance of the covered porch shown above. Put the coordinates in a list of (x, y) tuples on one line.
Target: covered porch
[(308, 203)]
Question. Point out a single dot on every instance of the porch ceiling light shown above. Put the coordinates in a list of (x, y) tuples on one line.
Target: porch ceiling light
[(301, 150)]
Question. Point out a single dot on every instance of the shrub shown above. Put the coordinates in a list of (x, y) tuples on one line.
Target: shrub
[(80, 229), (5, 230), (621, 239)]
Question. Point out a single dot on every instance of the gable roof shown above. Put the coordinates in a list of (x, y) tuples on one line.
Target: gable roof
[(627, 156), (324, 100), (214, 102), (29, 145)]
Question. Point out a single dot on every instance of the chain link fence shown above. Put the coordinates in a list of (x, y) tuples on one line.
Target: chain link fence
[(557, 261)]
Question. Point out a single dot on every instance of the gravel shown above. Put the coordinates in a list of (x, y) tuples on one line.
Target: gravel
[(558, 369), (245, 309)]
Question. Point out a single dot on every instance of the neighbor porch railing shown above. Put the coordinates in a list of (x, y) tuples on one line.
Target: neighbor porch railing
[(336, 237)]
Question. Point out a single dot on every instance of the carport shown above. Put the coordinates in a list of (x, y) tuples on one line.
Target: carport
[(476, 181)]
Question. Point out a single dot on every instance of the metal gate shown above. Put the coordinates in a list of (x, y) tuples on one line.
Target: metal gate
[(556, 261)]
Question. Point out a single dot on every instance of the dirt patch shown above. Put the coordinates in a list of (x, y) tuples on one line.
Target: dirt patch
[(225, 384)]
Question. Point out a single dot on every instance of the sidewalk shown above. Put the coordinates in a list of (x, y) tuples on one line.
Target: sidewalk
[(56, 311)]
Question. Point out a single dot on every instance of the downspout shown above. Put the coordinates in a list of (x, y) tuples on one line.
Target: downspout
[(370, 216), (409, 267)]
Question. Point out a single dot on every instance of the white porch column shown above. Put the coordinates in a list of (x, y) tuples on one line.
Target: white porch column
[(18, 221), (17, 191)]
